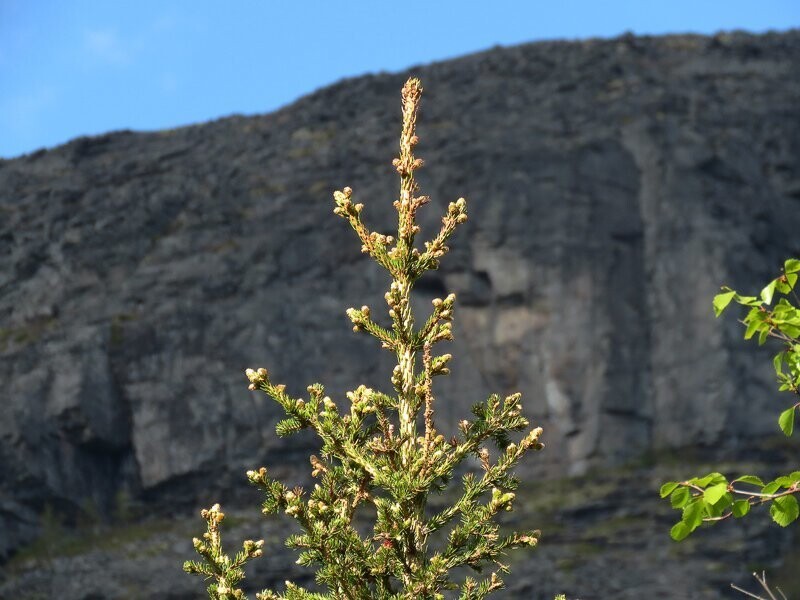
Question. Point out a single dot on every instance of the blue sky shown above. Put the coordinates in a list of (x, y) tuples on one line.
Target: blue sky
[(81, 67)]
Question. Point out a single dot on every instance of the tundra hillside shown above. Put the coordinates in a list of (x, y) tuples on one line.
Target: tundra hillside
[(617, 184)]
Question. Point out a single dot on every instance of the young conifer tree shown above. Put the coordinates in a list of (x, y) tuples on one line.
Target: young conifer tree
[(381, 453)]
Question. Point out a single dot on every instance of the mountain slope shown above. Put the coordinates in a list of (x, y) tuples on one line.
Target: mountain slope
[(612, 187)]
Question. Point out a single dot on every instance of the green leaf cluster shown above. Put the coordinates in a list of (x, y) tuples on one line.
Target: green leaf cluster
[(714, 498), (381, 453)]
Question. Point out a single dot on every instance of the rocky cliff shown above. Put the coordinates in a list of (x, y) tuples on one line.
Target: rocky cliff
[(612, 187)]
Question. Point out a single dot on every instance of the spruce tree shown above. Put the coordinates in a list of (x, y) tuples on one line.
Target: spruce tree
[(381, 454)]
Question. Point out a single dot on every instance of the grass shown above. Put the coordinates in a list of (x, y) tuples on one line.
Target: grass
[(57, 541), (118, 326), (22, 335)]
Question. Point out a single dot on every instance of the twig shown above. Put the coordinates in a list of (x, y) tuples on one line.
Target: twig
[(762, 580)]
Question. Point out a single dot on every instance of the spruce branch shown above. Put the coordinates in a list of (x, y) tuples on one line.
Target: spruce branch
[(225, 573)]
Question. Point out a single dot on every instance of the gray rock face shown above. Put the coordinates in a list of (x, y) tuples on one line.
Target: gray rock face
[(612, 187)]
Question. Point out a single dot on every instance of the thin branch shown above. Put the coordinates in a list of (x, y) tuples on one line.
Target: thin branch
[(746, 593), (762, 580)]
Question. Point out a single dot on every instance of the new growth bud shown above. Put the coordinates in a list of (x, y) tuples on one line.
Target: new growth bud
[(483, 454), (213, 515), (259, 476), (256, 378), (317, 467), (439, 365)]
